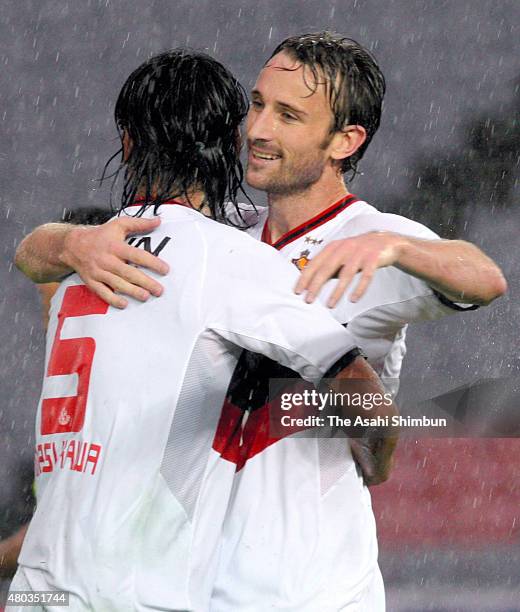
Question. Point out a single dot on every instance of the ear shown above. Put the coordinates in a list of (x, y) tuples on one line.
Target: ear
[(127, 145), (347, 141)]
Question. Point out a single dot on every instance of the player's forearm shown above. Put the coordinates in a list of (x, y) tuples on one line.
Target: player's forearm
[(39, 255), (373, 452), (9, 551), (374, 440), (457, 269)]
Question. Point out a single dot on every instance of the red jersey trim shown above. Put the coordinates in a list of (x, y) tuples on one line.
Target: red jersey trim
[(313, 223)]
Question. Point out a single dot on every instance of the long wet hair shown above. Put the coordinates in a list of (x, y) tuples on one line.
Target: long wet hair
[(181, 111), (354, 81)]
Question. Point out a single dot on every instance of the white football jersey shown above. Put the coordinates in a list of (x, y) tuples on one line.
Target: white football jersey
[(393, 299), (132, 481), (299, 533)]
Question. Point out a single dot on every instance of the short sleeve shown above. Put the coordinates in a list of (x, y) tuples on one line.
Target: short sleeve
[(410, 298), (250, 301)]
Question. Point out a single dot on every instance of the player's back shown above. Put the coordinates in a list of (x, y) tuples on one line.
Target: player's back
[(125, 428), (131, 494)]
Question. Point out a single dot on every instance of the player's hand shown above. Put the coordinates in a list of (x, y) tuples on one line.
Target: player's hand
[(102, 258), (373, 454), (343, 259)]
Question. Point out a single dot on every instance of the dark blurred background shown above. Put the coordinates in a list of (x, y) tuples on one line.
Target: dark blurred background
[(447, 154)]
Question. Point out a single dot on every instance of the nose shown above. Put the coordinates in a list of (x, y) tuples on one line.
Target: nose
[(260, 125)]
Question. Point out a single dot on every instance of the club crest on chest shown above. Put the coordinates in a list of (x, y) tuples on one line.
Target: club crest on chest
[(301, 261)]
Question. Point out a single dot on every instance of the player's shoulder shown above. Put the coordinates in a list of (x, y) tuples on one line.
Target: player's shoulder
[(245, 215), (243, 256), (221, 236), (178, 222), (191, 228), (365, 218)]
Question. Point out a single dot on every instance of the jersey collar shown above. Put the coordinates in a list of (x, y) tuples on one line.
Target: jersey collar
[(319, 219), (141, 201)]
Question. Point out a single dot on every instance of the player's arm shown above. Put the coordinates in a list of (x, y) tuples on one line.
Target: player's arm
[(372, 447), (99, 254), (455, 268), (252, 306), (9, 552)]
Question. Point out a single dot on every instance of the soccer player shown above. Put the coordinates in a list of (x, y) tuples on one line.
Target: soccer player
[(300, 533), (314, 109), (131, 492)]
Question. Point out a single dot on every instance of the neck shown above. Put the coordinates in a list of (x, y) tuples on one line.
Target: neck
[(288, 211), (194, 199)]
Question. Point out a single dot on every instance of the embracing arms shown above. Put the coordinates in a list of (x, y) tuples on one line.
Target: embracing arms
[(456, 268), (99, 254)]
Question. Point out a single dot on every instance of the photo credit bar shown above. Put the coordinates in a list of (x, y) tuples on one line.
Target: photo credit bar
[(485, 408)]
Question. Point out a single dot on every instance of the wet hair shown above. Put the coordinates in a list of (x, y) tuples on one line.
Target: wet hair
[(354, 81), (86, 215), (181, 110)]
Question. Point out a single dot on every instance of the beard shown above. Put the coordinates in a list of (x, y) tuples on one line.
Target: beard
[(292, 177)]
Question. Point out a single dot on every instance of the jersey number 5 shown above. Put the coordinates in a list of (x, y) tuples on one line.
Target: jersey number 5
[(71, 356)]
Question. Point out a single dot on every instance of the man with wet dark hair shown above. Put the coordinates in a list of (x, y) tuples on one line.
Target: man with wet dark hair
[(177, 142), (133, 474), (314, 107), (354, 82)]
